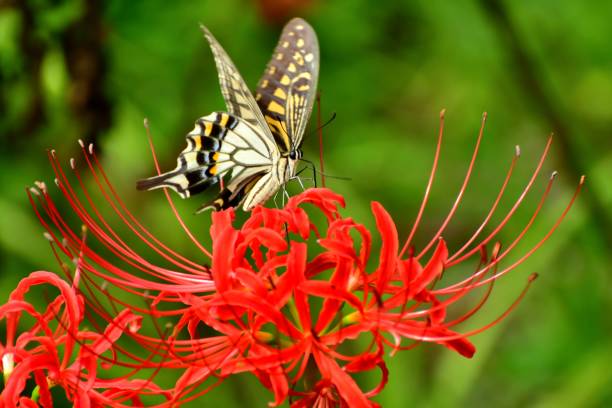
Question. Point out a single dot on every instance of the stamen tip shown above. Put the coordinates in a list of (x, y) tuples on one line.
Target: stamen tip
[(48, 236), (72, 163), (442, 113), (34, 191), (484, 116), (146, 123), (81, 143), (533, 277), (554, 175), (517, 151), (582, 179), (90, 148), (41, 185), (56, 181), (496, 249)]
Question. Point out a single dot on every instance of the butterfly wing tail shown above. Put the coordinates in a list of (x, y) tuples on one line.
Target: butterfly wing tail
[(184, 182), (150, 183)]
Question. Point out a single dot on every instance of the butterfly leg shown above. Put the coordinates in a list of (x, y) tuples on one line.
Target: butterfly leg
[(310, 166), (299, 180), (285, 195)]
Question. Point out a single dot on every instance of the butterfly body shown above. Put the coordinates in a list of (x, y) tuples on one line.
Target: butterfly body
[(255, 146)]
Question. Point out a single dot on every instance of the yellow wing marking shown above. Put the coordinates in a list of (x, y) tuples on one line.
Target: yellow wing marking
[(276, 108), (207, 128), (297, 57), (279, 92), (224, 119)]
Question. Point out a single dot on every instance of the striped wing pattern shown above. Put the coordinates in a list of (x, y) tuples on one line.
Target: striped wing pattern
[(218, 145), (287, 90)]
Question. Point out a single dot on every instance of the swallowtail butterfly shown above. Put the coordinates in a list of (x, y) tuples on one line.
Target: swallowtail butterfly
[(254, 146)]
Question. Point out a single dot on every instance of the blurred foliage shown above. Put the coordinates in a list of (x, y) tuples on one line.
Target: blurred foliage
[(73, 69)]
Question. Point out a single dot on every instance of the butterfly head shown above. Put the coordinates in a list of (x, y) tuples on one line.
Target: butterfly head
[(291, 158), (295, 154)]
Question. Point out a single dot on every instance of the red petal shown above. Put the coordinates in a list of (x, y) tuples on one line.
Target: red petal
[(432, 270), (330, 306), (461, 346), (223, 254), (287, 284), (124, 320), (269, 238), (344, 383), (390, 246), (329, 291)]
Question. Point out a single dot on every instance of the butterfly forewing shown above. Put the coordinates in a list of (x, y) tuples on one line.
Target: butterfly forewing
[(286, 91), (238, 98)]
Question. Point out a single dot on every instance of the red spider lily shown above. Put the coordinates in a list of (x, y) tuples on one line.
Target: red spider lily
[(301, 305), (55, 352)]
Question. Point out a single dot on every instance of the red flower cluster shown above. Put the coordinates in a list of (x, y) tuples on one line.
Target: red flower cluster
[(293, 296), (55, 351)]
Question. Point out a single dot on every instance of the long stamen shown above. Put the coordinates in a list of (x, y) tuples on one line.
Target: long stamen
[(432, 174), (491, 211), (516, 205), (195, 267), (455, 206), (536, 246), (169, 198), (118, 247), (505, 314)]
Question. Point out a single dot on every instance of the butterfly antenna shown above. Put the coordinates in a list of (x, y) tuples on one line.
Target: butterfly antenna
[(324, 125), (312, 166)]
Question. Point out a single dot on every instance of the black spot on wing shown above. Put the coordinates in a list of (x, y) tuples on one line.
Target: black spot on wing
[(199, 181), (232, 122)]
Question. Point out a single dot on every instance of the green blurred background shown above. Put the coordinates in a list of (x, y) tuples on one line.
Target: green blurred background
[(74, 69)]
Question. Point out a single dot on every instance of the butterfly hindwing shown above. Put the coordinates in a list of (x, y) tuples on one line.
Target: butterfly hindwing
[(287, 90), (220, 144)]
